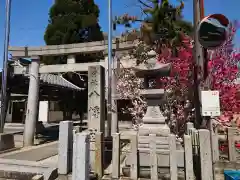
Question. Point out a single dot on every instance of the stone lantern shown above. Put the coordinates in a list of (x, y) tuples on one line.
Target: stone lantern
[(153, 121)]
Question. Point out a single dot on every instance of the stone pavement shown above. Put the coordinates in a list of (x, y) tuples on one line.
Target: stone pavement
[(35, 153), (50, 161)]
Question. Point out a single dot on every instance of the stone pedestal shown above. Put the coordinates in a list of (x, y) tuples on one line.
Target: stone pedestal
[(154, 124), (154, 121)]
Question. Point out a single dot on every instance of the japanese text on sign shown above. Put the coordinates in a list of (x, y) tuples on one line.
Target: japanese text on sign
[(210, 103)]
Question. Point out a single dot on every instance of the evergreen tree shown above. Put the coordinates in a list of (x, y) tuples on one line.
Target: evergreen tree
[(72, 21)]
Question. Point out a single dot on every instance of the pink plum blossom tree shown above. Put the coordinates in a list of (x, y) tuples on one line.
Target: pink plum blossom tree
[(223, 74)]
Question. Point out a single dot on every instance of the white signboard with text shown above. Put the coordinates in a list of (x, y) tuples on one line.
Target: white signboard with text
[(210, 103)]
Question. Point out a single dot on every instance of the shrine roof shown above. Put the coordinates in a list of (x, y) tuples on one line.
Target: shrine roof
[(58, 80)]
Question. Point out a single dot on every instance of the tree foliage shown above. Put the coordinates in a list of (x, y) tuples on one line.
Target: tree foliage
[(72, 21), (162, 23), (223, 74), (129, 87), (179, 84)]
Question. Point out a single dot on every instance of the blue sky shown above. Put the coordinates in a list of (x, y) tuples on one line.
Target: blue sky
[(30, 17)]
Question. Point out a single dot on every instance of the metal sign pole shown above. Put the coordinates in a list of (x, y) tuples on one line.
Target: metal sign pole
[(109, 66)]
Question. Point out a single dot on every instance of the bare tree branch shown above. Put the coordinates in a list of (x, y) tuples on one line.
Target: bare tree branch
[(145, 4)]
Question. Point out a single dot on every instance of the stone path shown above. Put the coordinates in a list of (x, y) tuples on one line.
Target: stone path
[(35, 153)]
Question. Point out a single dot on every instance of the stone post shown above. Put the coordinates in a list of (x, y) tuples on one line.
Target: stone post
[(81, 155), (134, 156), (116, 156), (32, 103), (188, 158), (173, 157), (96, 106), (205, 154), (231, 144), (99, 166), (65, 147)]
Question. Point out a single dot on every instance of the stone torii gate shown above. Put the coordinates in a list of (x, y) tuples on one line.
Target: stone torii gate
[(70, 50)]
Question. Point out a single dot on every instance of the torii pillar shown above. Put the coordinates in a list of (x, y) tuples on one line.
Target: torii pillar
[(32, 103)]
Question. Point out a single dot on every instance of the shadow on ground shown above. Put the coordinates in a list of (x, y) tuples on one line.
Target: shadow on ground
[(49, 134)]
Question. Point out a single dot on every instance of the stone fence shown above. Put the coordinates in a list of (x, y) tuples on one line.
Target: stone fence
[(225, 146), (74, 155), (232, 137)]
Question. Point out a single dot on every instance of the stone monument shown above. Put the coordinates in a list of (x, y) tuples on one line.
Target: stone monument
[(96, 109)]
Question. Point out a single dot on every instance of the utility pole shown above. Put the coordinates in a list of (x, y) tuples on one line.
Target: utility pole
[(114, 112), (5, 66), (198, 53), (109, 66)]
